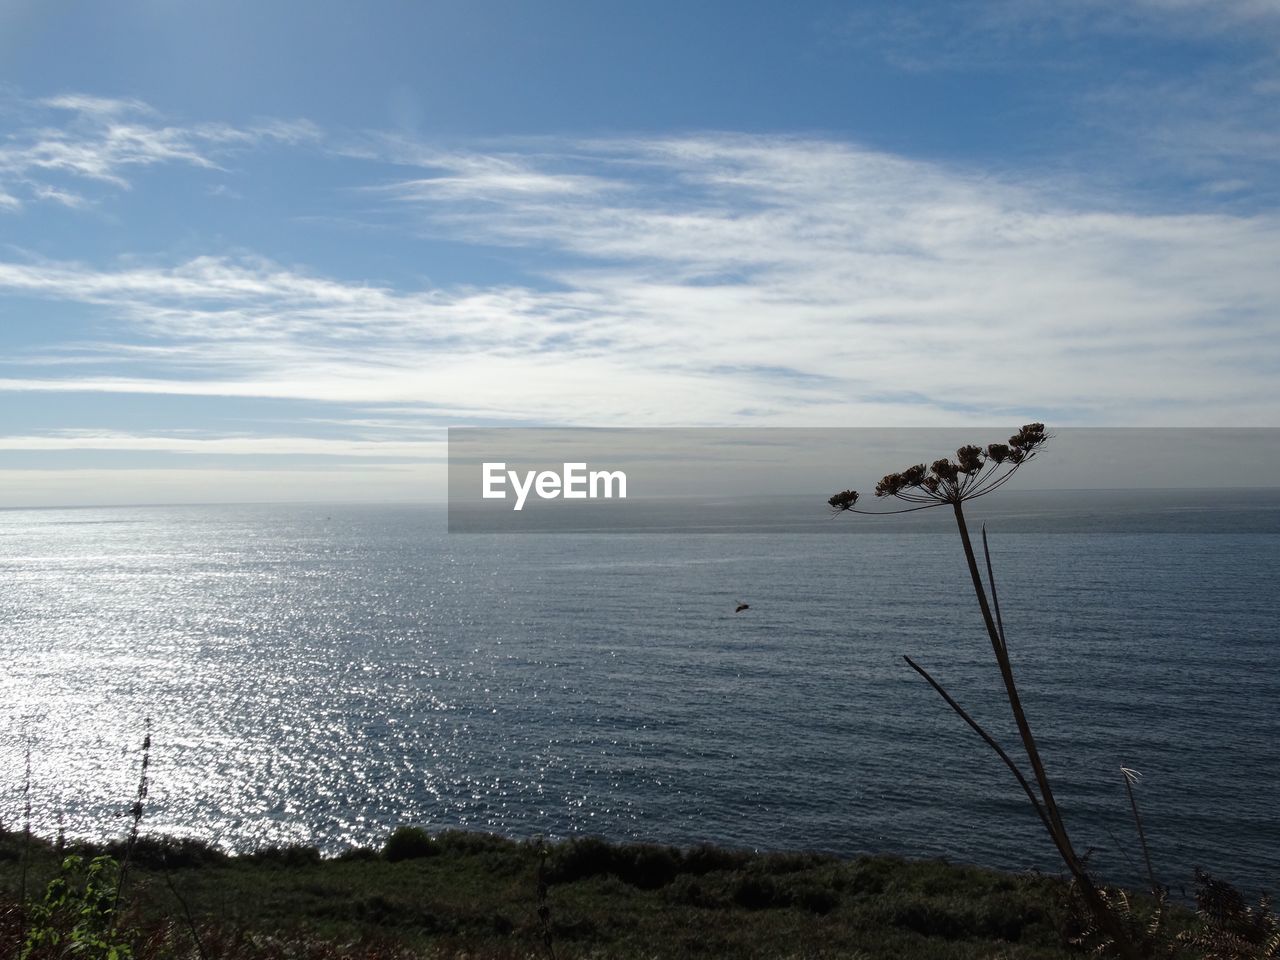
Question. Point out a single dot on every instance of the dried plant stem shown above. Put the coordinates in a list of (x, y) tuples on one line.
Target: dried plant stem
[(988, 739), (26, 848), (1128, 776), (1051, 816), (1058, 830), (136, 814), (544, 905)]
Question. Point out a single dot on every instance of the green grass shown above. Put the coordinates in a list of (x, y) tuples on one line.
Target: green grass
[(459, 893)]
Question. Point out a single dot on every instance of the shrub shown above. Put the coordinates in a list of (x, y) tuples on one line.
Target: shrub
[(158, 852), (931, 918), (293, 855), (705, 859), (409, 843), (816, 899), (647, 866), (694, 892), (468, 842), (782, 863), (759, 892), (358, 855), (644, 865), (77, 916), (578, 859)]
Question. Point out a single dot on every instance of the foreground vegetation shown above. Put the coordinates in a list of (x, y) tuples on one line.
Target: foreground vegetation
[(477, 895)]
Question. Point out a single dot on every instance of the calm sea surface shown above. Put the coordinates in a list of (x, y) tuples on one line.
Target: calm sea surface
[(321, 674)]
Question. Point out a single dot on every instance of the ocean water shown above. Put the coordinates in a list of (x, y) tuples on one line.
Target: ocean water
[(321, 674)]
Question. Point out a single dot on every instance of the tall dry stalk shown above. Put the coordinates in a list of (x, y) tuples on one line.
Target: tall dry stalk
[(26, 846), (543, 901), (135, 813), (1131, 778), (976, 472)]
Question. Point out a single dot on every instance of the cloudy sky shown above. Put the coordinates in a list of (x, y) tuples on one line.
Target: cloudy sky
[(271, 251)]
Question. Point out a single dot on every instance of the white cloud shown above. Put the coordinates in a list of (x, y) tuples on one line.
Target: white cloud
[(486, 177), (96, 106), (67, 198), (728, 280), (102, 140)]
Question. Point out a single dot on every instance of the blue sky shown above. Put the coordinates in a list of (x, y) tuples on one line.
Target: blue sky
[(270, 251)]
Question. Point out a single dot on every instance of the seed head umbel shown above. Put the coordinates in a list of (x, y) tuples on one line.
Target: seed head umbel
[(975, 472), (844, 501)]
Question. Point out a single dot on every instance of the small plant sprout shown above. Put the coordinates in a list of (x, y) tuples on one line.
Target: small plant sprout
[(975, 472)]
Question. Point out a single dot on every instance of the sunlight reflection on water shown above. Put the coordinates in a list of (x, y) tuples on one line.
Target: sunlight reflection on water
[(321, 675)]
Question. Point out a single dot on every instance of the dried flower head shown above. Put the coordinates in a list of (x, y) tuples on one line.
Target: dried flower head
[(1029, 437), (890, 485), (945, 470), (914, 476), (844, 501), (975, 472), (970, 459)]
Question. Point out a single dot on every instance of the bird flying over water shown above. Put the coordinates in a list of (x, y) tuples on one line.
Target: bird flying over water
[(742, 606)]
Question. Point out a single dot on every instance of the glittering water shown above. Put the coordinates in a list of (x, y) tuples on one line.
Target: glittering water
[(321, 674)]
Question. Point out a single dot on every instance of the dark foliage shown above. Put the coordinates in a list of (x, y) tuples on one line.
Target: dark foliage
[(409, 843)]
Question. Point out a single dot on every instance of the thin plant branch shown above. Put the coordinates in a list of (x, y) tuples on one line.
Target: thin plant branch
[(135, 813), (1130, 778), (987, 738), (991, 579)]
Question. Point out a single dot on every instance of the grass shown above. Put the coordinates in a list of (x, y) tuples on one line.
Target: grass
[(476, 895)]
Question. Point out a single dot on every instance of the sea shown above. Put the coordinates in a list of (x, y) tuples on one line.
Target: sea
[(323, 673)]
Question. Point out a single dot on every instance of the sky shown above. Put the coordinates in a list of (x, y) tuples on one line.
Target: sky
[(272, 251)]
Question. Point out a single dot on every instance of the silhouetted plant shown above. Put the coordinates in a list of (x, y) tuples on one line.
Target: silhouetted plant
[(26, 836), (409, 843), (541, 896), (1132, 777), (976, 472), (135, 813), (1132, 926), (1230, 929)]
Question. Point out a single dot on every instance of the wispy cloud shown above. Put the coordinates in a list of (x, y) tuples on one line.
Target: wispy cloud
[(487, 177), (90, 139), (723, 280), (97, 106), (67, 198)]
